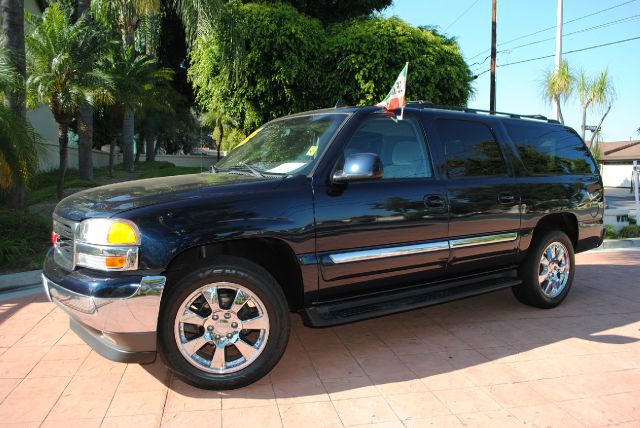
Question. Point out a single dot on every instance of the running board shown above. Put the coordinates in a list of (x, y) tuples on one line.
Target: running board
[(356, 309)]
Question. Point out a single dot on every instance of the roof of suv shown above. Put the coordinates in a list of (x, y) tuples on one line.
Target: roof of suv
[(425, 105)]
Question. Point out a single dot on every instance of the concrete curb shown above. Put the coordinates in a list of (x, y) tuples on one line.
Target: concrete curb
[(21, 279), (614, 244)]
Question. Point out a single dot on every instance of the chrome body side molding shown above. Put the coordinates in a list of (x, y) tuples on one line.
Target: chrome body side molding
[(380, 253), (483, 239), (426, 247)]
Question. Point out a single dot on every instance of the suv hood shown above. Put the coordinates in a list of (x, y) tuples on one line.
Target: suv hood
[(106, 201)]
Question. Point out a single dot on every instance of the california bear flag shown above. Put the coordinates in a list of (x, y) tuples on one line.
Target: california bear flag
[(395, 98)]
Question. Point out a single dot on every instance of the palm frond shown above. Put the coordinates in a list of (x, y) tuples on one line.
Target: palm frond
[(20, 145), (62, 57)]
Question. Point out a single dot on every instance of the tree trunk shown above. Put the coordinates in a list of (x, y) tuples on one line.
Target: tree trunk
[(557, 101), (139, 146), (221, 129), (85, 141), (560, 117), (81, 7), (151, 149), (584, 122), (13, 30), (112, 155), (128, 126), (63, 143), (85, 120), (593, 136)]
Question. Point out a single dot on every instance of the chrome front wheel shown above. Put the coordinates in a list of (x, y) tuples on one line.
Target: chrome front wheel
[(221, 328)]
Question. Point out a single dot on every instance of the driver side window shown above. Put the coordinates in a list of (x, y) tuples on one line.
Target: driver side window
[(400, 146)]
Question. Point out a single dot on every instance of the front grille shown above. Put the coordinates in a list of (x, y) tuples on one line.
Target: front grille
[(64, 251)]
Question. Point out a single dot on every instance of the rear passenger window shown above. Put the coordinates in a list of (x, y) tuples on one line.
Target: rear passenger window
[(399, 145), (471, 149), (550, 149)]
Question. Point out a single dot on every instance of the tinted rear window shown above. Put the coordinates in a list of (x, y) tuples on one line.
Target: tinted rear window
[(550, 149), (470, 148)]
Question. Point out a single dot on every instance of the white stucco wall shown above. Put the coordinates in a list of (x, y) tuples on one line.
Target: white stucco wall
[(617, 175), (49, 158)]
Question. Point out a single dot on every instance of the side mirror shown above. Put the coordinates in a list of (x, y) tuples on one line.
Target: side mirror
[(358, 167)]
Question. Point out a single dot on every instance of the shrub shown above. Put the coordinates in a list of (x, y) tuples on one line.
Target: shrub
[(366, 55), (610, 232), (631, 231), (24, 239)]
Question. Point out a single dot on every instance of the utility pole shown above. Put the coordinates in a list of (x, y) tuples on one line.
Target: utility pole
[(556, 104), (492, 88)]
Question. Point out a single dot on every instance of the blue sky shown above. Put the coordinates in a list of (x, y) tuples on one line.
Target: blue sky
[(518, 86)]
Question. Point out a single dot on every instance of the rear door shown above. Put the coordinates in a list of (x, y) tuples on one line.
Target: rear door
[(483, 194), (379, 234)]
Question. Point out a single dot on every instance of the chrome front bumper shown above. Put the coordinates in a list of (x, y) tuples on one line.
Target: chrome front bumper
[(122, 328)]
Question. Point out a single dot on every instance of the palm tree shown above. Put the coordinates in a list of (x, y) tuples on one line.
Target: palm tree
[(138, 83), (557, 86), (84, 119), (596, 92), (19, 143), (126, 16), (62, 57), (213, 18), (13, 32)]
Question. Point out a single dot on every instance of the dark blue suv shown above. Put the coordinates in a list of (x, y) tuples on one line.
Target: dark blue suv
[(338, 214)]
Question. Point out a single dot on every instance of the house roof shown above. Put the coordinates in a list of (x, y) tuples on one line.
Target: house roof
[(621, 150)]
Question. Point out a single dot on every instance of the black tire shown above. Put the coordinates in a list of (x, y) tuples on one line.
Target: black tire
[(530, 291), (258, 281)]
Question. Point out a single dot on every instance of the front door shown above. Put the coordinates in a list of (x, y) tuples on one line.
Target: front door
[(379, 234), (484, 200)]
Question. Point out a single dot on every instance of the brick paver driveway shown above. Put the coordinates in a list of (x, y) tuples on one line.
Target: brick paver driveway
[(487, 361)]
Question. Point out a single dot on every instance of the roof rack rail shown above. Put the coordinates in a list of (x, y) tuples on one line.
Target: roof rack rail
[(427, 104)]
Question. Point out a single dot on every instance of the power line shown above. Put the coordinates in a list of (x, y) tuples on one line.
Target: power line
[(564, 53), (460, 16), (583, 30), (552, 27)]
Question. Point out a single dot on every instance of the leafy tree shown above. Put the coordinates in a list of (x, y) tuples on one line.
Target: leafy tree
[(365, 56), (61, 60), (557, 86), (280, 73), (332, 11), (18, 141)]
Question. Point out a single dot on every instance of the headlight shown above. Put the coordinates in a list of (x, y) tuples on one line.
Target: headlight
[(107, 231), (107, 244)]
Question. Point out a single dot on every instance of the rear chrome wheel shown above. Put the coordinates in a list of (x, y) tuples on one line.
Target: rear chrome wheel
[(221, 328), (554, 269), (547, 270)]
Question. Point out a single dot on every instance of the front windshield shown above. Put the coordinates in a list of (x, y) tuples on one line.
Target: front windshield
[(285, 146)]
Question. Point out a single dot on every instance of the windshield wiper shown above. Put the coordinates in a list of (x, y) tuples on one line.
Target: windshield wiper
[(246, 167)]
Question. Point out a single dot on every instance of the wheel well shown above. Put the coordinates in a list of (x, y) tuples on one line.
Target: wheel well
[(272, 254), (566, 222)]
